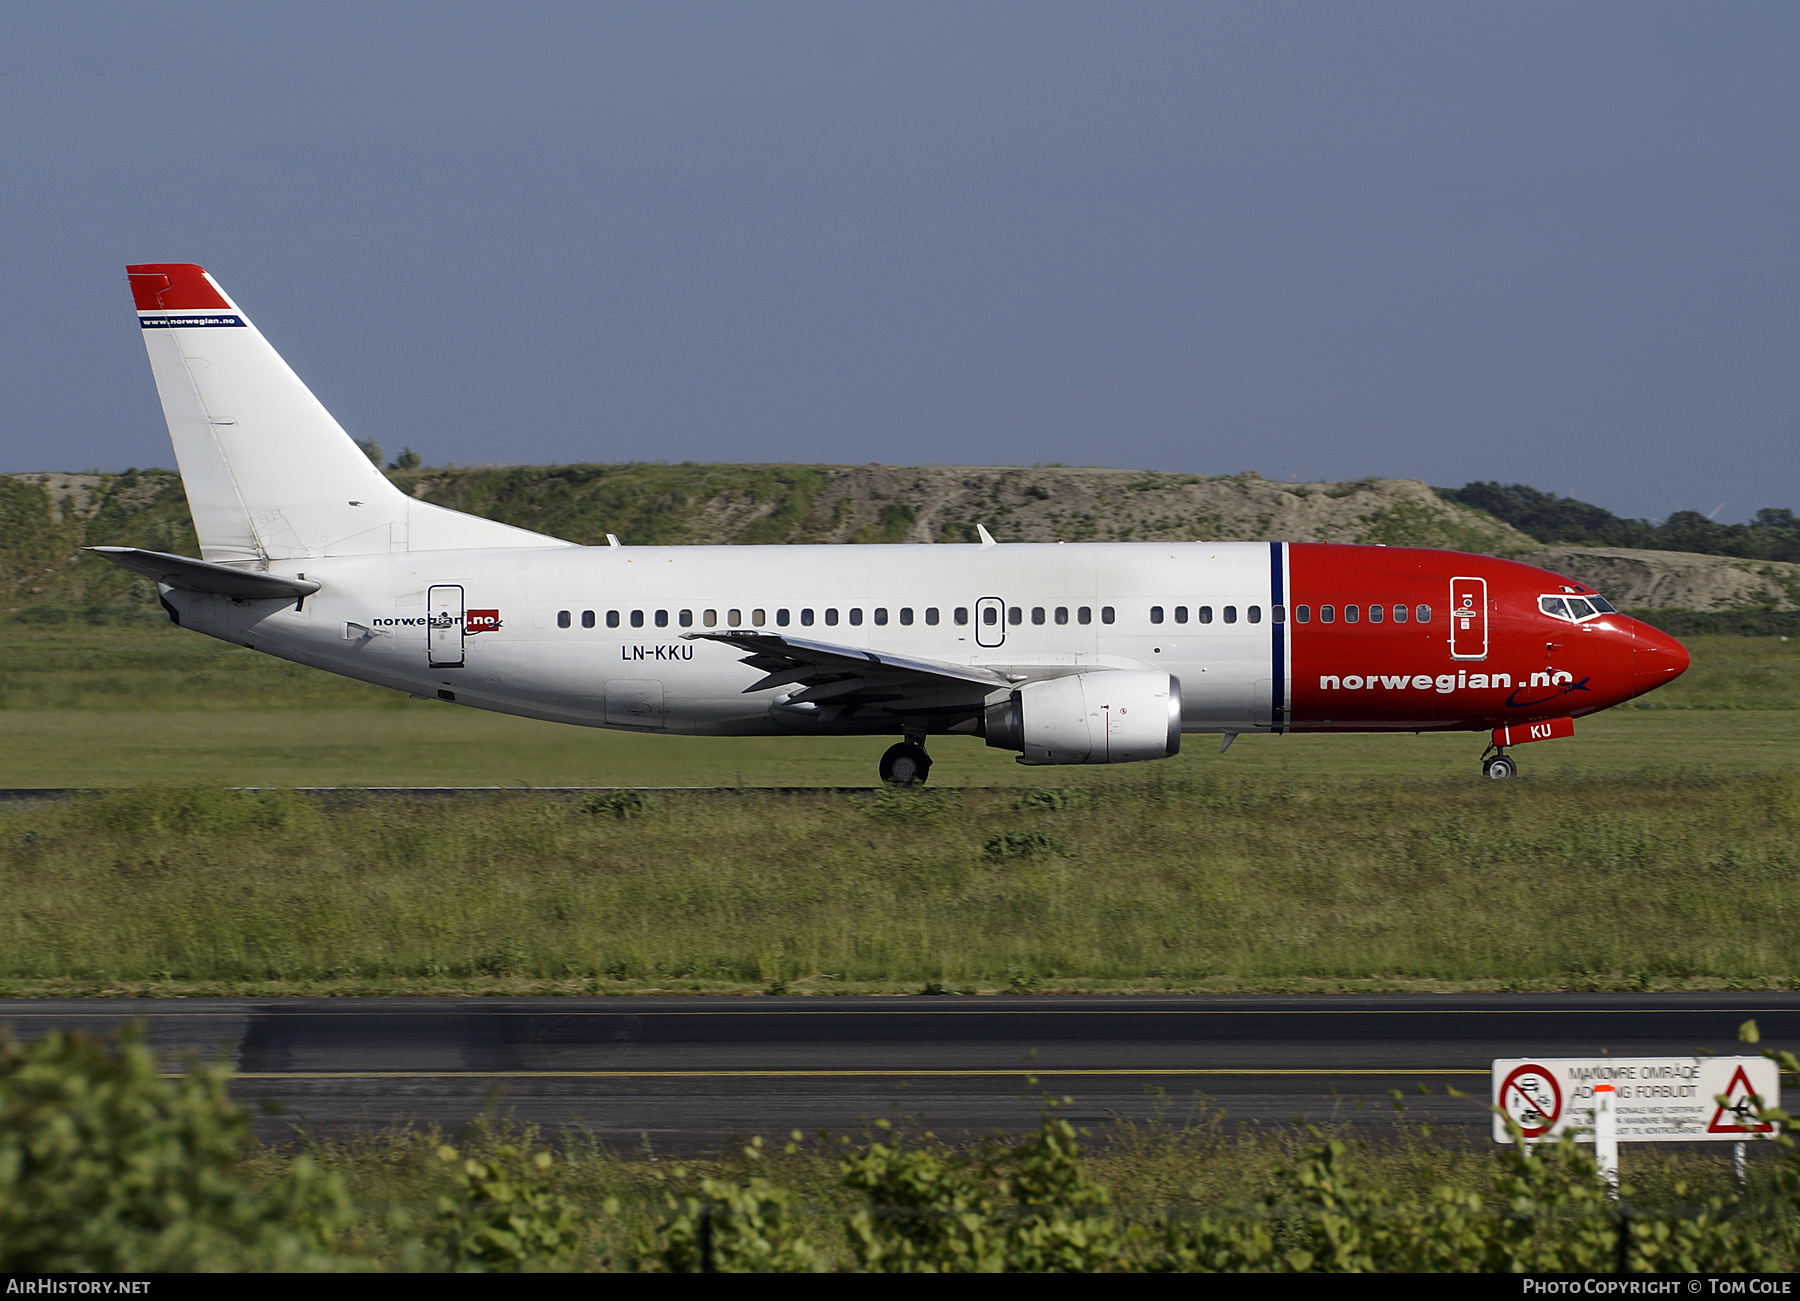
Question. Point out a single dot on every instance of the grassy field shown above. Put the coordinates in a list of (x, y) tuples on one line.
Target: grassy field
[(1653, 849), (117, 706), (1178, 881)]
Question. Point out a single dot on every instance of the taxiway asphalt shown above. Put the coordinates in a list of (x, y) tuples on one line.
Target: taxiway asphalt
[(685, 1074)]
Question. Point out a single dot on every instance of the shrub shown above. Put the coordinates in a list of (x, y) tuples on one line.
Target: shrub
[(105, 1165), (619, 804), (503, 1216), (1025, 844)]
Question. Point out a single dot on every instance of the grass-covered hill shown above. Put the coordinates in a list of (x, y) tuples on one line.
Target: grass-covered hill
[(45, 520)]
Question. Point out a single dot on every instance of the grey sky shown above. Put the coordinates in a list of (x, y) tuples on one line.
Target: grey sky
[(1549, 243)]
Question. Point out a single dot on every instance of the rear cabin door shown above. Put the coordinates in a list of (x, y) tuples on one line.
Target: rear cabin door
[(444, 605), (990, 621), (1468, 619)]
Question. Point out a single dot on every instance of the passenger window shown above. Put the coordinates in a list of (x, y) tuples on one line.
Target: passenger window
[(856, 618), (781, 618), (1106, 614), (587, 618), (1254, 614), (1231, 614), (662, 618), (806, 618), (831, 617), (1327, 614), (1015, 616), (1204, 614), (1399, 614), (1421, 614), (931, 615), (1181, 614), (1278, 614), (562, 618), (962, 615), (1062, 614), (1085, 614), (687, 618), (612, 618), (906, 616), (710, 618), (1037, 614), (1352, 613), (1374, 614), (989, 615), (881, 616), (1156, 614), (758, 618), (734, 617), (1303, 614)]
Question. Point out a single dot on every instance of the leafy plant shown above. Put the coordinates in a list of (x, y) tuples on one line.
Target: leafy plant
[(107, 1166), (503, 1214)]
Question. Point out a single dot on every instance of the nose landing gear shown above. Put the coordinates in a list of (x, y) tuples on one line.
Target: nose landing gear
[(906, 764), (1497, 765)]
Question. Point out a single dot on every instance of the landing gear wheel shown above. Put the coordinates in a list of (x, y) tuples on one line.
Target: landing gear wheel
[(905, 764), (1499, 767)]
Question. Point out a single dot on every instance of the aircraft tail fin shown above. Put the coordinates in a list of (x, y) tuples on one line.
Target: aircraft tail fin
[(269, 474)]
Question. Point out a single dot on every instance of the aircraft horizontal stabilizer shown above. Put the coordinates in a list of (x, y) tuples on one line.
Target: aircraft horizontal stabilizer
[(190, 575)]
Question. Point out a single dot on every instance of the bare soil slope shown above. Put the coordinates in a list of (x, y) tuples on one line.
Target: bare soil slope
[(45, 520)]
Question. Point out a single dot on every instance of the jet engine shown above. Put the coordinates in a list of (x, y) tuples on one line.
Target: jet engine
[(1116, 716)]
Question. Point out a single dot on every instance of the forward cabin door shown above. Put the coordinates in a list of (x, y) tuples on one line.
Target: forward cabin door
[(990, 622), (1468, 619), (444, 606)]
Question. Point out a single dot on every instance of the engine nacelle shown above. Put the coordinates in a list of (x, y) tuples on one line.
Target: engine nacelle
[(1116, 716)]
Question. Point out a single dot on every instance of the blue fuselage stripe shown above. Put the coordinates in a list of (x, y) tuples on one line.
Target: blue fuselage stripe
[(1277, 643)]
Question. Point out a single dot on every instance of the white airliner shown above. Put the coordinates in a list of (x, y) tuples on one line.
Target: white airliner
[(1068, 654)]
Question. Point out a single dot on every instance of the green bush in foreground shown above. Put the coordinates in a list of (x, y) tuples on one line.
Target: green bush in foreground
[(105, 1165)]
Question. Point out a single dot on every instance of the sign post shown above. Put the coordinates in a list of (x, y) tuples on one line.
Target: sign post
[(1606, 1135)]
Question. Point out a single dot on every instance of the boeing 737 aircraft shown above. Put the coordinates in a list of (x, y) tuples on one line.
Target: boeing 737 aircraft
[(1066, 653)]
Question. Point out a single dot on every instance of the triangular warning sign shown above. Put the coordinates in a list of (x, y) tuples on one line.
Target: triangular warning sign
[(1737, 1114)]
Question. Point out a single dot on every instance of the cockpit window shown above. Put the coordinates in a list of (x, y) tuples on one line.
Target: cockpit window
[(1576, 609)]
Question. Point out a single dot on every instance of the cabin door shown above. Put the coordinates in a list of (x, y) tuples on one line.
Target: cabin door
[(1468, 618), (444, 606), (990, 622)]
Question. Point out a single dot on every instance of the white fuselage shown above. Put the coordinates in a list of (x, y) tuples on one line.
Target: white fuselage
[(595, 635)]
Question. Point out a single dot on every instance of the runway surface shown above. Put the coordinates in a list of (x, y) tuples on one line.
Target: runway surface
[(687, 1074)]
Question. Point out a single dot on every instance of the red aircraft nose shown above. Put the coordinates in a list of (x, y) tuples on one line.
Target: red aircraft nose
[(1656, 658)]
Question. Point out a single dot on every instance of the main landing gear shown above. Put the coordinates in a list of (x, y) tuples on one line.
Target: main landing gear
[(906, 764), (1497, 765)]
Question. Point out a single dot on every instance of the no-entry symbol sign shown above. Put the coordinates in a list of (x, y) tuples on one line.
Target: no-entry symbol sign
[(1532, 1098)]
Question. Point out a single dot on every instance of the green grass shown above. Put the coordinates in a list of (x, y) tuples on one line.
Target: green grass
[(104, 706), (1199, 880), (1654, 848)]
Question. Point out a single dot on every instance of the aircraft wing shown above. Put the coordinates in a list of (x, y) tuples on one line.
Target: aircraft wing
[(844, 674), (192, 575)]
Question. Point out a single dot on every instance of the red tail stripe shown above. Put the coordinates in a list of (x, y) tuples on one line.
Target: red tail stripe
[(173, 287)]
